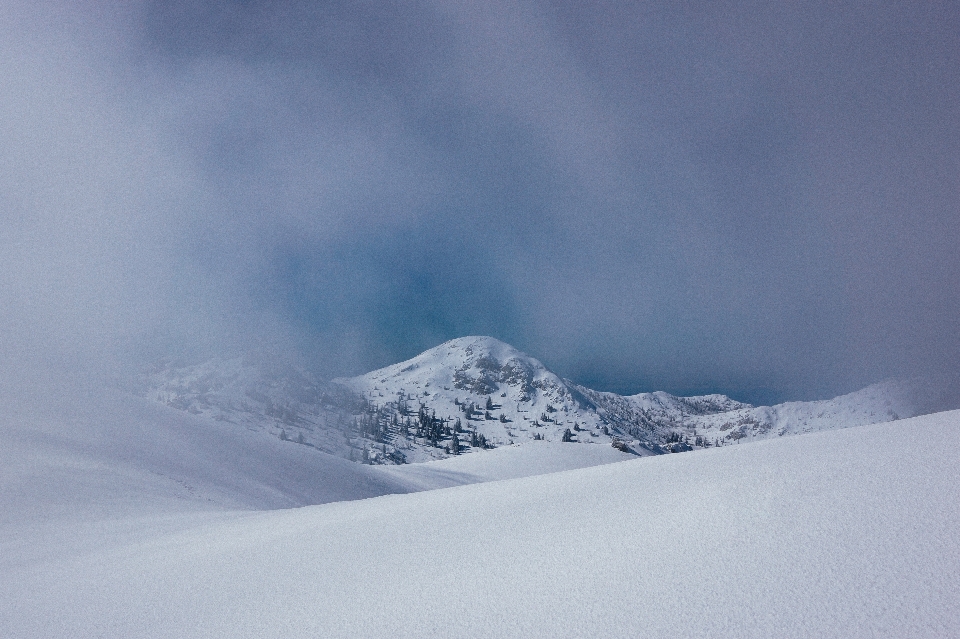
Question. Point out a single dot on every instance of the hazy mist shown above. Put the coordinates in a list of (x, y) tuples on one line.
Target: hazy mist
[(751, 198)]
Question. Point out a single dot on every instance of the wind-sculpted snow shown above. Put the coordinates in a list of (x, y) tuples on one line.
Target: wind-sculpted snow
[(475, 393), (850, 533)]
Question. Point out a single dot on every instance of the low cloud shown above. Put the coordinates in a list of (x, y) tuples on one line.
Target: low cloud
[(699, 198)]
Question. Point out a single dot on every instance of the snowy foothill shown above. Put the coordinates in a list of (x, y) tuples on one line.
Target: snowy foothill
[(142, 521)]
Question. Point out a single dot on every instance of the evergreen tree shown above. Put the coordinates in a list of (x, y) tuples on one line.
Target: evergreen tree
[(454, 445)]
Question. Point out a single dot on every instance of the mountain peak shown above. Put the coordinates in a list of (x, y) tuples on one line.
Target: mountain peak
[(483, 342), (447, 365), (474, 347), (476, 365)]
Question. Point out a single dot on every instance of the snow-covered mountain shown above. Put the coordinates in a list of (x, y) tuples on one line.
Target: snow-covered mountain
[(473, 393), (499, 395)]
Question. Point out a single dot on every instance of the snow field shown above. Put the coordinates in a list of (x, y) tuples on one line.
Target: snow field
[(848, 533)]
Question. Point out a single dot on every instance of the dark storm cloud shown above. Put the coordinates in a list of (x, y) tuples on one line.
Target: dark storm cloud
[(754, 198)]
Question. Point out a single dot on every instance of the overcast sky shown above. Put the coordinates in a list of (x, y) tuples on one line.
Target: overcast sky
[(756, 198)]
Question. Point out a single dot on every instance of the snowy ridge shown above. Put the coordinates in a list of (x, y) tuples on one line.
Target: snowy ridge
[(476, 392), (680, 423), (886, 401)]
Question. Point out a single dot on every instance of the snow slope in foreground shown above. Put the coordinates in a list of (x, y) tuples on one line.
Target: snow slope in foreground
[(848, 533), (81, 466), (107, 454)]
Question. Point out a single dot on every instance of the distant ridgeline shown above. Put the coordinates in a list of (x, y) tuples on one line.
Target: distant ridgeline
[(473, 393)]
